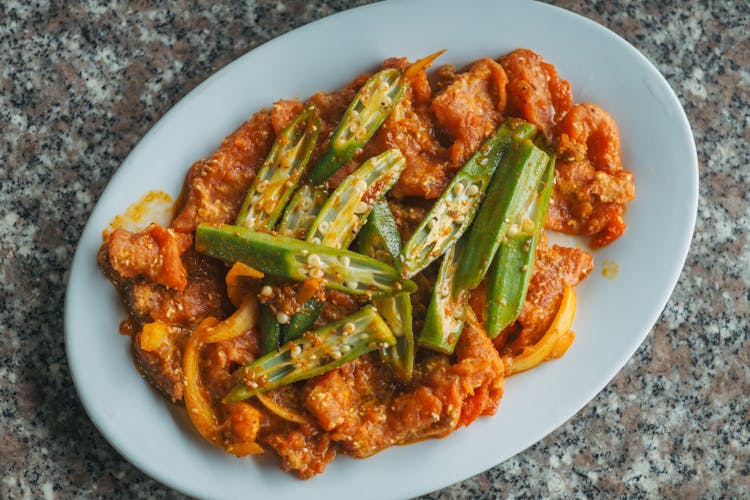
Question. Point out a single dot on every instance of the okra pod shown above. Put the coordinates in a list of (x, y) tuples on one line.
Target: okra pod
[(510, 273), (346, 210), (299, 215), (270, 332), (367, 111), (380, 239), (323, 350), (454, 211), (302, 320), (512, 185), (297, 260), (446, 312), (280, 173)]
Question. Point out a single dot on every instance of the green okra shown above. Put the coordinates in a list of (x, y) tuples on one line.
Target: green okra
[(380, 239), (454, 211), (347, 208), (514, 181), (303, 319), (302, 210), (323, 350), (446, 312), (280, 173), (367, 111), (270, 332), (297, 260), (510, 273)]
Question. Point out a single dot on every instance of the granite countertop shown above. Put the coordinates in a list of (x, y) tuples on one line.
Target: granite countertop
[(83, 82)]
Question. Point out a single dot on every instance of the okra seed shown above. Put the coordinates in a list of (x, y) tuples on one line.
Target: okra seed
[(361, 185), (345, 260), (346, 348), (460, 219), (458, 187), (266, 291), (472, 190), (316, 273), (296, 350), (314, 260), (315, 240), (336, 354), (324, 226), (349, 327), (282, 318), (524, 267)]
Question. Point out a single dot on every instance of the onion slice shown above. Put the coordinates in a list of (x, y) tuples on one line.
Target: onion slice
[(555, 340)]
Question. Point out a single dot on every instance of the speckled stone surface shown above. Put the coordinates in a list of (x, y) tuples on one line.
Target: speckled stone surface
[(82, 83)]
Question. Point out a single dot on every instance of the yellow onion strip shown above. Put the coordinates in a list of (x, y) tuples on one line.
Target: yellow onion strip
[(244, 319), (201, 412), (282, 412), (555, 340), (234, 281), (422, 64)]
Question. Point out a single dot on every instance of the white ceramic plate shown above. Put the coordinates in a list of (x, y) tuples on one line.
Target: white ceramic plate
[(613, 316)]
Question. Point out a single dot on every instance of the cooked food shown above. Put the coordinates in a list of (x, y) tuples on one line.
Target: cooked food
[(365, 268)]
